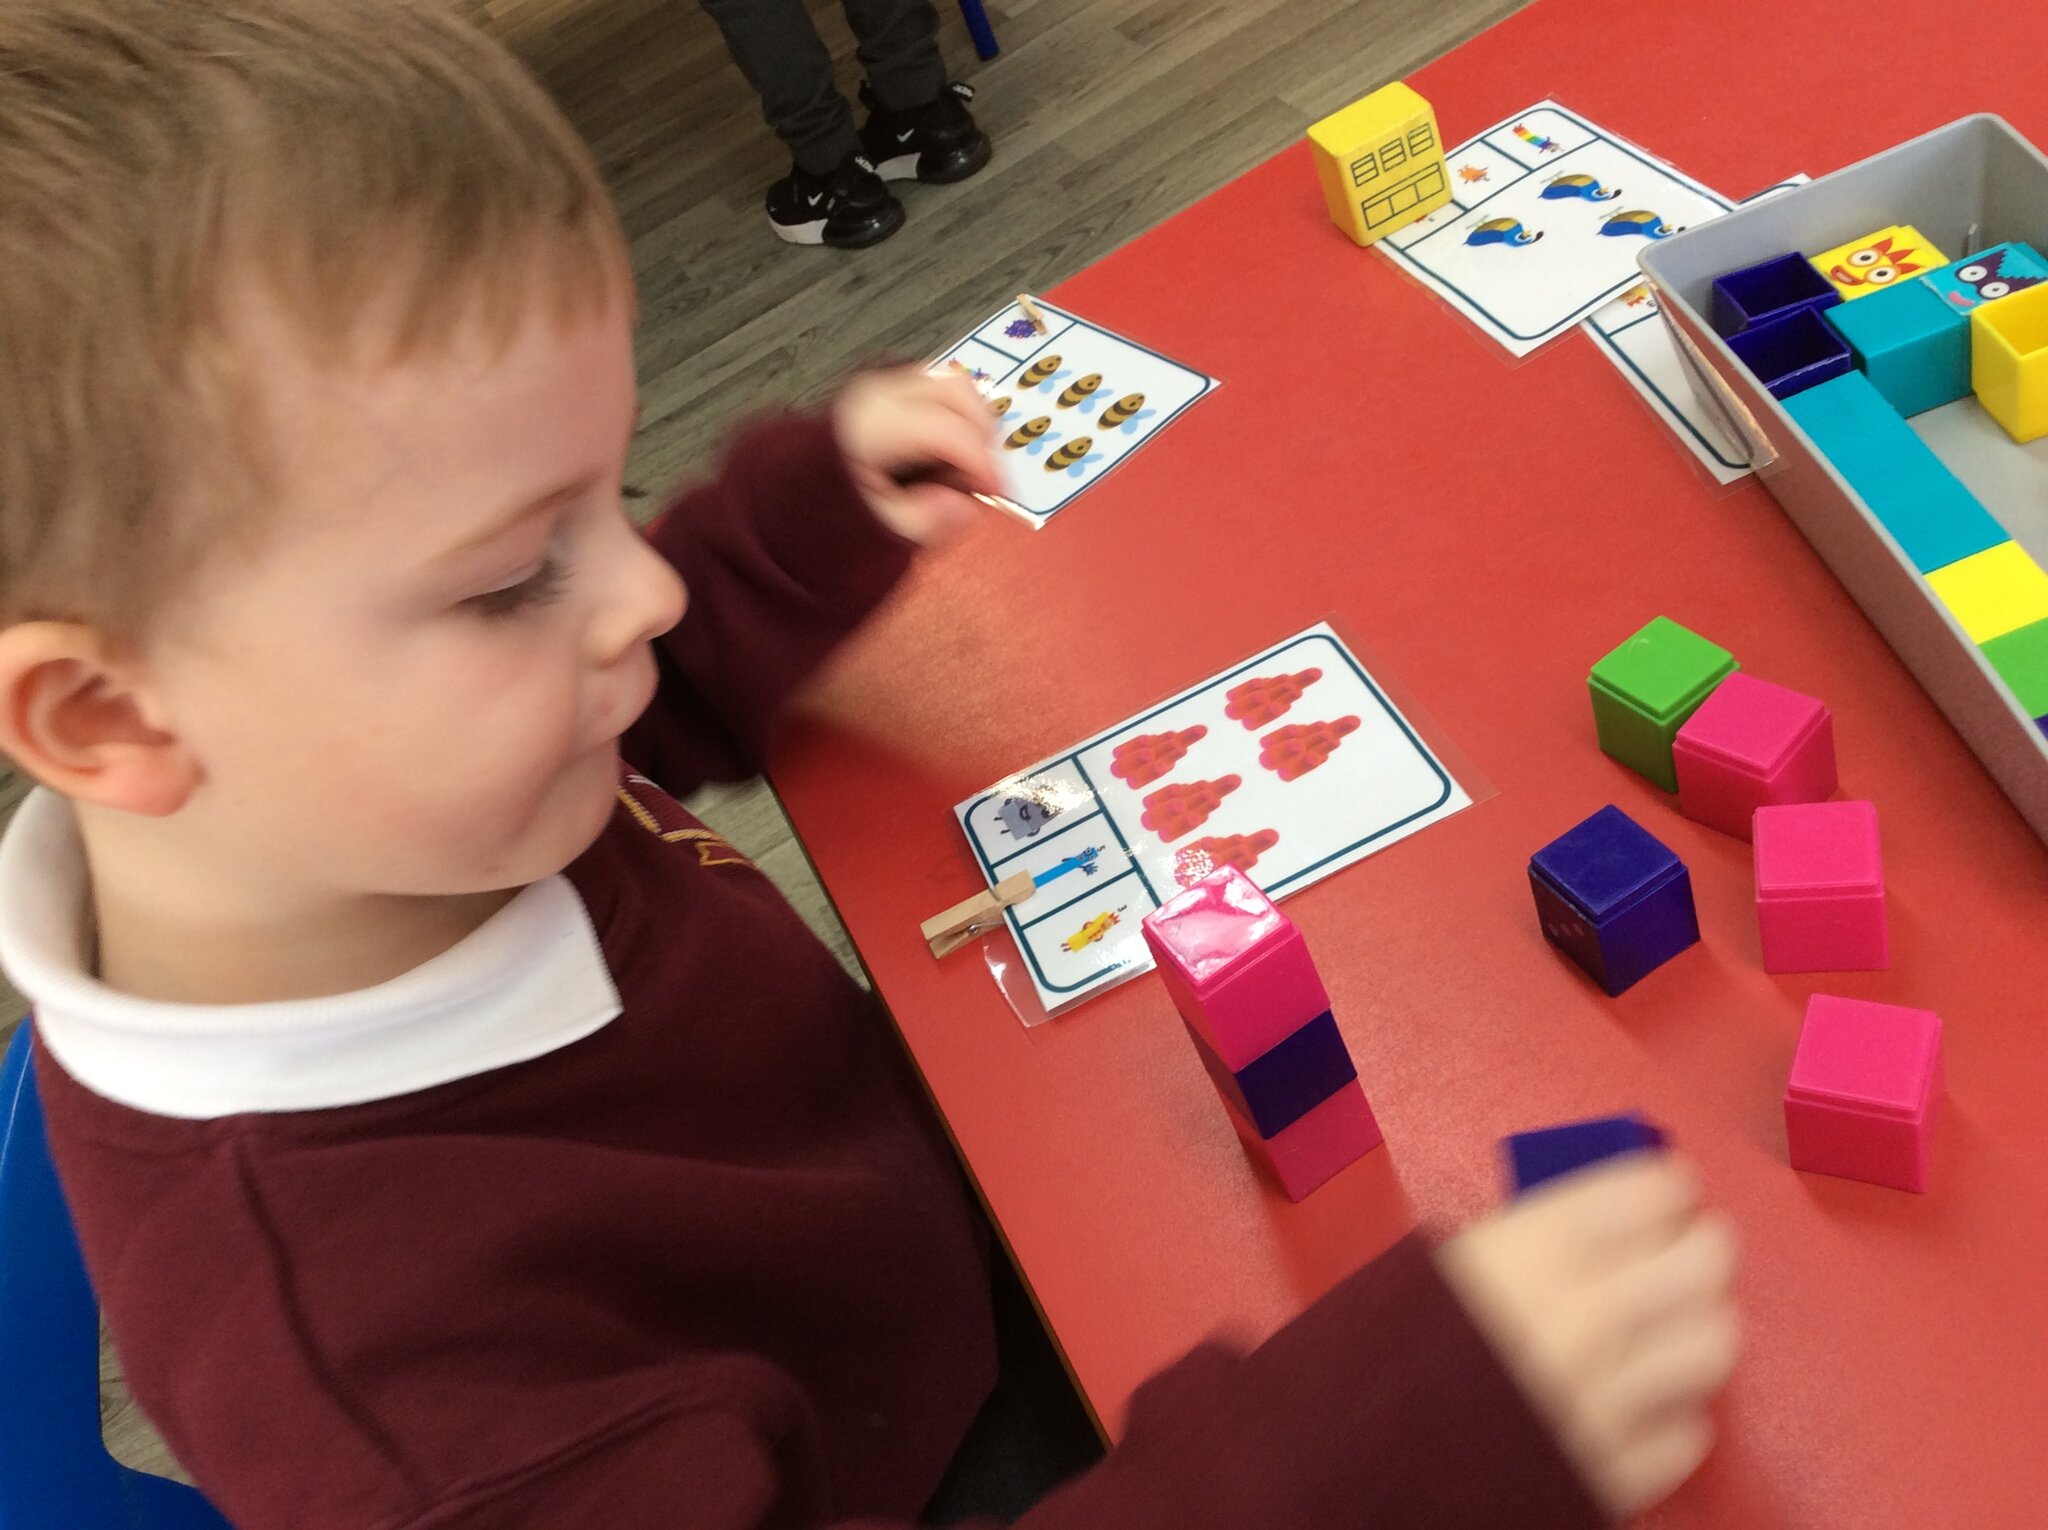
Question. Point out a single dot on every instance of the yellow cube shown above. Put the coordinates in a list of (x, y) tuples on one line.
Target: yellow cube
[(2009, 361), (1991, 593), (1875, 261), (1381, 162)]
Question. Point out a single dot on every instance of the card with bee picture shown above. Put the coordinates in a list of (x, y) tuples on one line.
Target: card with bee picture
[(1071, 400)]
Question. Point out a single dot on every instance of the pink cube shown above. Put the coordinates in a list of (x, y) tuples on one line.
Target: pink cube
[(1866, 1086), (1237, 968), (1752, 744), (1820, 888), (1338, 1132)]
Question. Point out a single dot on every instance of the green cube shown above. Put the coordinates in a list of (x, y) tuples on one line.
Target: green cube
[(2021, 659), (1645, 690)]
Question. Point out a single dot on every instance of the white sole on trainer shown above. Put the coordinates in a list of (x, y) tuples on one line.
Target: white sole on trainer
[(902, 168), (800, 233)]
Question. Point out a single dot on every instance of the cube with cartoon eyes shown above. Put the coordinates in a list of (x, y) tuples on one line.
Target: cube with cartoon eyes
[(1873, 262)]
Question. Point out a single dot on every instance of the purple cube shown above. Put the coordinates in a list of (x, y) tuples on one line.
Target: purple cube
[(1769, 290), (1275, 1090), (1614, 899), (1534, 1157)]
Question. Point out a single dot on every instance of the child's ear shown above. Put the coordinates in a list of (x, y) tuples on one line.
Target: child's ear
[(78, 719)]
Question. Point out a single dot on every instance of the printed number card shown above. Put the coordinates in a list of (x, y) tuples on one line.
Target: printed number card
[(1548, 214), (1289, 766), (1071, 401)]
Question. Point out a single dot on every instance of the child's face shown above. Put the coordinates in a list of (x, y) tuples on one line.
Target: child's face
[(413, 682)]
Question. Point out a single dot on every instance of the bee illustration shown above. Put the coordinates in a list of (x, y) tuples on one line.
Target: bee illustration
[(1031, 436), (1073, 457), (1076, 391), (1503, 231), (999, 406), (1584, 186), (1125, 414), (1042, 372), (1650, 225)]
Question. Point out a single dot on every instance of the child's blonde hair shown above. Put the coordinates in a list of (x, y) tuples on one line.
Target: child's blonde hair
[(156, 152)]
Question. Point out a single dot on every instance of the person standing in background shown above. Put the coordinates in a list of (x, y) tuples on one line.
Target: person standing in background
[(918, 125)]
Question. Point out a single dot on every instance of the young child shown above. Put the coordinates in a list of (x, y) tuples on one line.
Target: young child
[(459, 1134)]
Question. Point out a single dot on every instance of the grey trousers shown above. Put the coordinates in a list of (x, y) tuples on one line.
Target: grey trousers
[(779, 51)]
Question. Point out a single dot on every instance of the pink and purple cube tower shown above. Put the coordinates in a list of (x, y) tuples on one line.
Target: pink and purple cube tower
[(1241, 977)]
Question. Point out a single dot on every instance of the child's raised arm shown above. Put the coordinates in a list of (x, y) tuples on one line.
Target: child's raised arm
[(804, 531)]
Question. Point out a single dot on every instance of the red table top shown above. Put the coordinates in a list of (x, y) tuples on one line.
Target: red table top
[(1484, 530)]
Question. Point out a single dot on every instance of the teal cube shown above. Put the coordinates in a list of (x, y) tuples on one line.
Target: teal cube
[(1987, 276), (1912, 345), (1913, 495)]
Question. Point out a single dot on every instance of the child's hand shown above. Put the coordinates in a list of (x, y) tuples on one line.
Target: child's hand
[(918, 446), (1606, 1294)]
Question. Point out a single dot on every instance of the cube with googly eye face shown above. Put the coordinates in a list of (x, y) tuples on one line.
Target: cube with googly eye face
[(1987, 276), (1875, 261)]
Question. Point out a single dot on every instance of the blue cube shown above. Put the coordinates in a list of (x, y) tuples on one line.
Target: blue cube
[(1768, 290), (1792, 352), (1534, 1157), (1913, 346), (1933, 518), (1289, 1079), (1613, 899)]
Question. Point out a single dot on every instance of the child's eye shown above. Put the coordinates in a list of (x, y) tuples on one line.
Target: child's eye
[(535, 589)]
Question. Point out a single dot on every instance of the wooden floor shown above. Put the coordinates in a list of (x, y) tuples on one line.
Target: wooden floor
[(1106, 118)]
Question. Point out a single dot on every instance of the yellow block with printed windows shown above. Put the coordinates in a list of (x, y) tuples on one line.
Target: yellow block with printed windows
[(1381, 163), (1996, 591), (2009, 362)]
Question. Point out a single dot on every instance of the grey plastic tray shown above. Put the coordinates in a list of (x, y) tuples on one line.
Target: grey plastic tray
[(1970, 184)]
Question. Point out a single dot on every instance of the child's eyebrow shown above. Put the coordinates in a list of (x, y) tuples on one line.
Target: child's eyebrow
[(528, 510)]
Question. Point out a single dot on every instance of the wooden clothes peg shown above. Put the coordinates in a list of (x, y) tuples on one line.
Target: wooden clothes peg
[(948, 932)]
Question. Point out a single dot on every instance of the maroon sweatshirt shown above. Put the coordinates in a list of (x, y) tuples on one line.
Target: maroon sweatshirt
[(711, 1266)]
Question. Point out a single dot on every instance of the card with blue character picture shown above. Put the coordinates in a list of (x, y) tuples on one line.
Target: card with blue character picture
[(1071, 400), (1289, 765), (1548, 213)]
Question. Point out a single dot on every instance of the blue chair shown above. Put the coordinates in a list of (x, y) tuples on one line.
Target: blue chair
[(55, 1473), (979, 28)]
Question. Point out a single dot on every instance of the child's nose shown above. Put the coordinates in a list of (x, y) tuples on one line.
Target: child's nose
[(646, 597)]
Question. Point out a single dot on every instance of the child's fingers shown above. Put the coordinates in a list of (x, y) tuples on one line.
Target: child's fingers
[(1694, 1270), (1624, 1208), (1675, 1371), (957, 394), (964, 444), (1651, 1467)]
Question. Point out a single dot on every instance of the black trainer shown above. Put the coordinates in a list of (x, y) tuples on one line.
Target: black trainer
[(935, 143), (849, 209)]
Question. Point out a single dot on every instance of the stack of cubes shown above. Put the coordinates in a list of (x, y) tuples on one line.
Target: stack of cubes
[(1241, 977), (1921, 332)]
